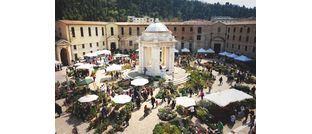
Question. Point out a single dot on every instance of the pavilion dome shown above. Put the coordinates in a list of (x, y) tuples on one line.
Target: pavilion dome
[(157, 27)]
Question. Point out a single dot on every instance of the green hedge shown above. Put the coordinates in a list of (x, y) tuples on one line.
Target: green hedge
[(243, 88), (166, 128), (166, 114)]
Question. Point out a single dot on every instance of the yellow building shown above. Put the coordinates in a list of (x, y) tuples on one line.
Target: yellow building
[(77, 38)]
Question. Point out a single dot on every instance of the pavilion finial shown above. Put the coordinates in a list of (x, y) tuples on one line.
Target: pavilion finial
[(156, 20)]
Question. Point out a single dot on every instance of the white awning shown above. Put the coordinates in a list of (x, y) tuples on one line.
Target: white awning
[(185, 101), (88, 98), (226, 97), (121, 99), (243, 58), (85, 66), (185, 50), (106, 52), (201, 50), (210, 51), (139, 82), (113, 67), (90, 55)]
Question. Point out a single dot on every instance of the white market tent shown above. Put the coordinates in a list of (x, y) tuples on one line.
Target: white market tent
[(201, 50), (88, 98), (85, 66), (226, 97), (243, 58), (106, 52), (113, 67), (225, 53), (121, 99), (232, 55), (185, 101), (139, 82), (78, 64), (91, 55), (210, 51), (185, 50), (137, 50), (120, 55)]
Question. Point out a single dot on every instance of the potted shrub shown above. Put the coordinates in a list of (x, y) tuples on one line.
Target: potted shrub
[(166, 114)]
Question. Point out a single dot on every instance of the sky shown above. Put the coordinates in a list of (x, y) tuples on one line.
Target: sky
[(247, 3)]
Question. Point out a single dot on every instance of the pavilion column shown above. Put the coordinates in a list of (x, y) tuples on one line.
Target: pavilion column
[(58, 53), (156, 60), (141, 58), (168, 57), (171, 60)]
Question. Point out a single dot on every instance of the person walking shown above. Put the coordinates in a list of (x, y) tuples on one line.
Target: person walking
[(253, 90), (191, 93), (145, 70), (202, 94), (220, 127), (58, 109), (153, 101), (173, 104), (221, 81), (75, 130), (163, 97)]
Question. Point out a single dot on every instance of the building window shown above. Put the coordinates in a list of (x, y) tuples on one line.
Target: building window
[(233, 37), (130, 43), (227, 45), (90, 44), (122, 31), (138, 31), (229, 30), (102, 31), (89, 30), (75, 47), (198, 37), (81, 31), (83, 53), (145, 27), (76, 56), (241, 30), (103, 43), (91, 51), (248, 30), (254, 39), (182, 37), (247, 38), (232, 45), (73, 31), (199, 30), (182, 45), (183, 29), (191, 29), (96, 31), (234, 30), (112, 30), (130, 31), (219, 29), (83, 46), (191, 46), (238, 47), (253, 49), (246, 48), (228, 36), (97, 44), (240, 38), (175, 29)]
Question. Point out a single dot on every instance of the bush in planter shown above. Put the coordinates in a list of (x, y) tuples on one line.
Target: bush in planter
[(202, 114), (179, 110), (243, 88), (110, 131), (126, 66), (159, 94), (166, 114), (166, 128), (102, 126)]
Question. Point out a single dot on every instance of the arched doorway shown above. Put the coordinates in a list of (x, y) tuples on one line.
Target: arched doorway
[(64, 56)]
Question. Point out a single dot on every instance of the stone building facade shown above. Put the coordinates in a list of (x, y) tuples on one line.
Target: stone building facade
[(77, 38)]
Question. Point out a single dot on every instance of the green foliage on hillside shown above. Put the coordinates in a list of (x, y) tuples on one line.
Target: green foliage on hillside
[(166, 10)]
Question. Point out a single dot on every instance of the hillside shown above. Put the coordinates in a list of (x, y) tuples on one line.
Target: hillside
[(118, 10)]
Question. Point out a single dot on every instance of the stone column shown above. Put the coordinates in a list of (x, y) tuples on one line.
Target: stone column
[(155, 60), (171, 59)]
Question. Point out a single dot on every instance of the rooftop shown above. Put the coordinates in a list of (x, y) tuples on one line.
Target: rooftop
[(156, 27), (78, 22)]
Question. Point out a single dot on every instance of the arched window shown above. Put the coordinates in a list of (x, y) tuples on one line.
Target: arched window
[(73, 31), (112, 30)]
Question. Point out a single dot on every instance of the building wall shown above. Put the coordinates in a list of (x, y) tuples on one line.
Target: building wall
[(210, 33), (239, 45)]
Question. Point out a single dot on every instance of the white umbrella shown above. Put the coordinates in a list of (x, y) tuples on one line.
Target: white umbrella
[(137, 50), (226, 97), (113, 67), (210, 51), (185, 50), (243, 58), (106, 52), (91, 55), (88, 98), (185, 101), (78, 64), (232, 55), (118, 55), (85, 66), (139, 82), (121, 99), (176, 51), (201, 50)]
